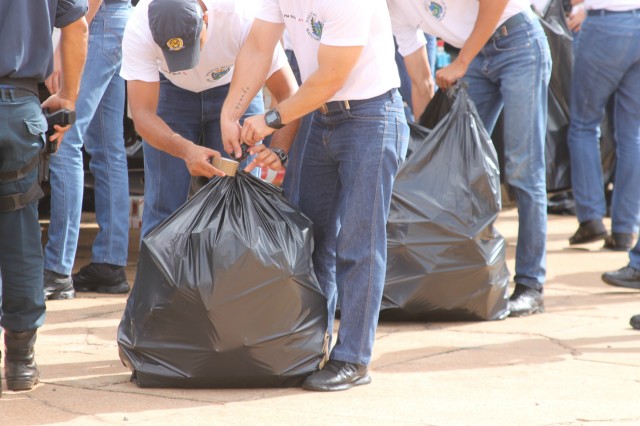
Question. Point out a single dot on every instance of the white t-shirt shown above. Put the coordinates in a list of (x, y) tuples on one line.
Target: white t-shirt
[(450, 20), (615, 5), (340, 23), (229, 24)]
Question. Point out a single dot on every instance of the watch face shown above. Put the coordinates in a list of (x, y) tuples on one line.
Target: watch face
[(272, 118)]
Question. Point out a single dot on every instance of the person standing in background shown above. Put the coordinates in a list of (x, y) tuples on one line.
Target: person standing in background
[(607, 62), (505, 60), (26, 28), (99, 128)]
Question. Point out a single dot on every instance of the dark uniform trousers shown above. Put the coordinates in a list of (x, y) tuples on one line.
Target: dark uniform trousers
[(22, 128)]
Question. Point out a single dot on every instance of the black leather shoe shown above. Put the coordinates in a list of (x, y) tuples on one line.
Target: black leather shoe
[(20, 369), (57, 286), (101, 278), (626, 277), (635, 322), (619, 241), (589, 231), (337, 376), (525, 301)]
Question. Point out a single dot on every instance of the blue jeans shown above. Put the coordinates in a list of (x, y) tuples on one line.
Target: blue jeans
[(347, 174), (512, 73), (607, 62), (99, 127), (22, 130), (196, 117)]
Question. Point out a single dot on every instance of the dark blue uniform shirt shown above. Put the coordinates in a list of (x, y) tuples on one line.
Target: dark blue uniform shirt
[(26, 50)]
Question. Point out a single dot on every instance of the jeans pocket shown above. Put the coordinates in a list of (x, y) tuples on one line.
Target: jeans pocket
[(515, 41), (36, 126), (402, 140)]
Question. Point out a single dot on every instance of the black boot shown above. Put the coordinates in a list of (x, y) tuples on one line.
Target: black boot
[(20, 369)]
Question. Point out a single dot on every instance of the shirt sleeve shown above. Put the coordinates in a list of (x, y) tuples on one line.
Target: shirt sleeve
[(139, 53), (69, 11), (270, 12), (408, 38), (344, 22)]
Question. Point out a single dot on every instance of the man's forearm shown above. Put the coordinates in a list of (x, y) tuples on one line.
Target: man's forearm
[(73, 50), (489, 14), (158, 134), (249, 74)]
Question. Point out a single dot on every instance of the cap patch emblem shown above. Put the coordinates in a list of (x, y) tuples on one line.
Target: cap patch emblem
[(175, 44)]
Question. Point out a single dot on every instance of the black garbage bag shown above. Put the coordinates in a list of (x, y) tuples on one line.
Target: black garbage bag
[(446, 261), (561, 47), (225, 294)]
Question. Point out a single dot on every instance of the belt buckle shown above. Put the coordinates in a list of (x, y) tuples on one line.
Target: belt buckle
[(323, 109)]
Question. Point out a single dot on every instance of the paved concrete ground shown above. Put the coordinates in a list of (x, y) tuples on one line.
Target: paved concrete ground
[(577, 364)]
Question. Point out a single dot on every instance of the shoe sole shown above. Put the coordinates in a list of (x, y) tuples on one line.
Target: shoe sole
[(21, 385), (591, 239), (616, 248), (620, 283), (361, 381), (60, 295), (538, 310), (115, 289)]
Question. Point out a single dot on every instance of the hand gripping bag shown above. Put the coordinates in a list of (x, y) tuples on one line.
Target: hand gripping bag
[(446, 261), (225, 294)]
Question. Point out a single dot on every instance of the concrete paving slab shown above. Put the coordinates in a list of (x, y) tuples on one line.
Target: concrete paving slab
[(576, 364)]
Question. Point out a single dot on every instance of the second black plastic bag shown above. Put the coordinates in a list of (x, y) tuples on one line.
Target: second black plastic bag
[(446, 261), (225, 294)]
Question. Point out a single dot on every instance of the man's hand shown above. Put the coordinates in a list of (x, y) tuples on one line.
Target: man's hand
[(254, 129), (231, 138), (198, 160), (265, 158), (449, 75), (577, 17), (56, 102)]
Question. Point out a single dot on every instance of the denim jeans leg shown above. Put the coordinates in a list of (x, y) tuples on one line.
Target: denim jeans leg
[(591, 87), (104, 142), (67, 175), (512, 73), (349, 166), (625, 215)]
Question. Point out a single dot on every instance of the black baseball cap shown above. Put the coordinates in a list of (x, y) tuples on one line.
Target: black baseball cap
[(176, 26)]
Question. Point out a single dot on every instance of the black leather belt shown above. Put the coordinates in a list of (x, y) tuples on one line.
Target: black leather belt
[(6, 92), (339, 106), (604, 12), (511, 23), (20, 87)]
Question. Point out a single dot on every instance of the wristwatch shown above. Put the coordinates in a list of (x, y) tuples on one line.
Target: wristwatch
[(272, 119), (281, 155)]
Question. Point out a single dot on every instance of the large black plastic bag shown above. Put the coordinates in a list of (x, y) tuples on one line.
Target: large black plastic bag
[(446, 261), (561, 47), (225, 294)]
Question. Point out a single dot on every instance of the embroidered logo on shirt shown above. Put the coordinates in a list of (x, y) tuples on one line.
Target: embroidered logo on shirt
[(437, 8), (175, 44), (315, 26), (218, 73)]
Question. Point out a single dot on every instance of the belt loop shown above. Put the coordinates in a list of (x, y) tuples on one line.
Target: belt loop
[(346, 105)]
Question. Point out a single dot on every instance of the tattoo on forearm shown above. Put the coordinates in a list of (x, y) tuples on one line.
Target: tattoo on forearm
[(240, 103)]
